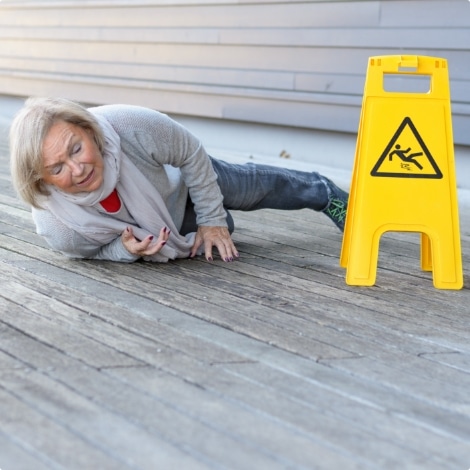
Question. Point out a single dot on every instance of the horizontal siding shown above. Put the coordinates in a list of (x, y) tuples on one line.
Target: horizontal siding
[(221, 14), (275, 62), (456, 39)]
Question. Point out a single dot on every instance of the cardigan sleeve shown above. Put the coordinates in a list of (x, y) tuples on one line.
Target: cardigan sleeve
[(70, 243), (152, 140)]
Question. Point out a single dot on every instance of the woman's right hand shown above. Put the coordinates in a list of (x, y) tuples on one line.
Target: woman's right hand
[(146, 247)]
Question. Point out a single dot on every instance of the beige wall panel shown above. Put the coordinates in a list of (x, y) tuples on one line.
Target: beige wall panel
[(281, 37), (280, 62), (254, 15), (320, 115), (425, 14), (344, 37), (156, 73), (299, 59)]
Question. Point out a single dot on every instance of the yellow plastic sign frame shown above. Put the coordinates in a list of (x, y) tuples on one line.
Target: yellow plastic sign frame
[(404, 173)]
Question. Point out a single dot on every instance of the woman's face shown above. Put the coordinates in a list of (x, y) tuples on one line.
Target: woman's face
[(72, 160)]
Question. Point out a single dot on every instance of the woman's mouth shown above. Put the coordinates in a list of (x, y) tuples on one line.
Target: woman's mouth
[(87, 179)]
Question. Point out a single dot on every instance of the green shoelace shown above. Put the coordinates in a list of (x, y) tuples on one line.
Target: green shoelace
[(337, 210)]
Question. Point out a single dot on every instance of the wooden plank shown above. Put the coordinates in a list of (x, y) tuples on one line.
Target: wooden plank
[(44, 326), (179, 400), (55, 422), (173, 423), (298, 323), (190, 368), (415, 377), (458, 360), (141, 277), (384, 334), (195, 373), (432, 309), (269, 362), (385, 409), (254, 321), (111, 326), (333, 433), (287, 289), (52, 444), (12, 451), (281, 241)]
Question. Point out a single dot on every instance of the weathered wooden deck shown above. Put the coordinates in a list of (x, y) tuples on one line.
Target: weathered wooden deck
[(270, 362)]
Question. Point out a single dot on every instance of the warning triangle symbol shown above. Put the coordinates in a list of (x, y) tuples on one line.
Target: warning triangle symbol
[(406, 156)]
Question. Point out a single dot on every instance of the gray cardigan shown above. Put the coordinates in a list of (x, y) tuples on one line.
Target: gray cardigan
[(171, 158)]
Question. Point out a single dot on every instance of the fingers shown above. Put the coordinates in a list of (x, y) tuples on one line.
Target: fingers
[(197, 243), (223, 246), (210, 237), (147, 246), (218, 237)]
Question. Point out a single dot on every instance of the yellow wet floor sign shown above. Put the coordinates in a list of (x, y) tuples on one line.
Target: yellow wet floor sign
[(404, 174)]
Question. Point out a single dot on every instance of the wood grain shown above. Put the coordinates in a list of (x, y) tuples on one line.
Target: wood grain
[(270, 362)]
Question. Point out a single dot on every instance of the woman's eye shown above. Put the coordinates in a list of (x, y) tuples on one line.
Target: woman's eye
[(76, 148), (55, 170)]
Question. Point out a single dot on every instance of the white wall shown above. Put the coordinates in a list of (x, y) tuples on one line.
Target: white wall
[(290, 63)]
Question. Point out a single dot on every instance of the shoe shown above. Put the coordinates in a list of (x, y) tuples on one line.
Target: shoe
[(337, 204)]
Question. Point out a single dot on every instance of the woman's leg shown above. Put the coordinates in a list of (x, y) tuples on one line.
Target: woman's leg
[(250, 187)]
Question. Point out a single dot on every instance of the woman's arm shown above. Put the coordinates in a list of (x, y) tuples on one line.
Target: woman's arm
[(152, 140), (187, 153), (72, 244)]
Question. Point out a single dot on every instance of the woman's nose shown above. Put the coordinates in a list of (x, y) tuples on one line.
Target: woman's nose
[(76, 167)]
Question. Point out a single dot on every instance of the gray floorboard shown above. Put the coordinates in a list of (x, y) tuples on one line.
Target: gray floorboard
[(270, 362)]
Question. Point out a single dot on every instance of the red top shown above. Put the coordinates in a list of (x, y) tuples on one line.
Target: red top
[(112, 203)]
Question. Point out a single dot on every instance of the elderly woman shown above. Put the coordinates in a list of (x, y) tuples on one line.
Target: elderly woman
[(123, 182)]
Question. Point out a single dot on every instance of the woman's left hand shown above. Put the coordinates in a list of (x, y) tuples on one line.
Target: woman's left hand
[(218, 237), (145, 247)]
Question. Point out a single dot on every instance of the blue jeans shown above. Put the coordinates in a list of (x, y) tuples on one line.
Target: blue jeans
[(250, 187)]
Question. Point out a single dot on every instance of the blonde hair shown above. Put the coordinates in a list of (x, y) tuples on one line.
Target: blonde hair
[(27, 133)]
